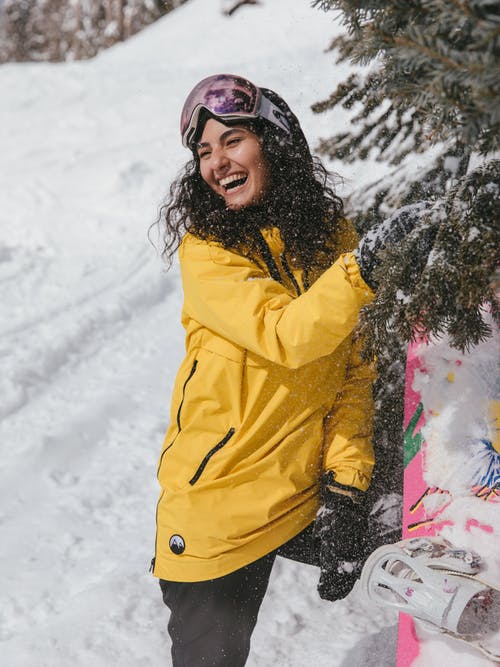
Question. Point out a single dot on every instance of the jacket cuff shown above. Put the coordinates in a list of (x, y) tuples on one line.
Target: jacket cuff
[(331, 485), (354, 272), (351, 477)]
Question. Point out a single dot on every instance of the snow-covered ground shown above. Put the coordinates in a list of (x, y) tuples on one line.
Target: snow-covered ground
[(90, 341)]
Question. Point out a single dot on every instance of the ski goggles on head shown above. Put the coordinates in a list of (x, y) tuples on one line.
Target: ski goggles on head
[(228, 97)]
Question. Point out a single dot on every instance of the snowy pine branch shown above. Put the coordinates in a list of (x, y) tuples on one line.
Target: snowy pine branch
[(433, 82), (445, 290), (438, 57)]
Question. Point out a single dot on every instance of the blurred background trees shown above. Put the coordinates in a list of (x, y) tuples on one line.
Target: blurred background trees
[(55, 30)]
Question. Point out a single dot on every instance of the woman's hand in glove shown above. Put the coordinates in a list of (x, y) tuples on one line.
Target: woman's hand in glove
[(341, 527), (392, 232)]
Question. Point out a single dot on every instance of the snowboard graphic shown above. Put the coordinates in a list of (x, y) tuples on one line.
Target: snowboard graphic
[(451, 470)]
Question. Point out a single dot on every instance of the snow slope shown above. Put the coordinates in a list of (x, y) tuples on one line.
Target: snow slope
[(90, 341)]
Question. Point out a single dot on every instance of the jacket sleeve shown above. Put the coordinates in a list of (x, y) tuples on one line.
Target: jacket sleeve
[(233, 297), (348, 427)]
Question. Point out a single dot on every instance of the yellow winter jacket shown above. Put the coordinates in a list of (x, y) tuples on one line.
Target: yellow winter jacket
[(272, 391)]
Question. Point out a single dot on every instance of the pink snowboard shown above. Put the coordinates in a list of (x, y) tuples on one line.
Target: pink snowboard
[(417, 520)]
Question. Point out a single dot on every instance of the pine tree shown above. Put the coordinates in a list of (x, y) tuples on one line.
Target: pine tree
[(433, 83), (426, 80)]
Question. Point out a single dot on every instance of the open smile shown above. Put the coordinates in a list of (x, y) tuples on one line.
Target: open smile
[(232, 182)]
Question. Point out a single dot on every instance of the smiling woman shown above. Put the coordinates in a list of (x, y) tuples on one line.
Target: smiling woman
[(271, 409), (232, 163)]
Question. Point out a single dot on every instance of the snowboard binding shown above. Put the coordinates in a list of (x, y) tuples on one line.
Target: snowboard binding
[(431, 580)]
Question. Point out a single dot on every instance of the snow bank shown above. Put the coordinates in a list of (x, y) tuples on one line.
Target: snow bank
[(90, 340)]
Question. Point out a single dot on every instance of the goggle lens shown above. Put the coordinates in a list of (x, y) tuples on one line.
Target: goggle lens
[(230, 97)]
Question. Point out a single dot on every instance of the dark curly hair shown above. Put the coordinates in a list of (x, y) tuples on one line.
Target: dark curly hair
[(300, 202)]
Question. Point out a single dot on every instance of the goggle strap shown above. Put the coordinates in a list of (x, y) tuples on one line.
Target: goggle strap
[(267, 110), (270, 112)]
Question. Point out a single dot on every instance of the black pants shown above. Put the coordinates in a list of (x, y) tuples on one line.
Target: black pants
[(211, 622)]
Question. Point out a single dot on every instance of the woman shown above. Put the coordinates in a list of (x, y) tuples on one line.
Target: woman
[(272, 403)]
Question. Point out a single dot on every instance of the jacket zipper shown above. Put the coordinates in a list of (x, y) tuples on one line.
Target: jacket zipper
[(273, 269), (209, 455), (290, 275), (179, 410), (191, 373)]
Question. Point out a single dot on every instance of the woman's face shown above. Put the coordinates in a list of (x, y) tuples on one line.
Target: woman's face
[(232, 163)]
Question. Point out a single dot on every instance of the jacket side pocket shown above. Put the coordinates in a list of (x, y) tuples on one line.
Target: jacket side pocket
[(209, 455)]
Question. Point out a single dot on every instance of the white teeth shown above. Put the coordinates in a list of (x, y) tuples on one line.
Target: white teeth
[(230, 179)]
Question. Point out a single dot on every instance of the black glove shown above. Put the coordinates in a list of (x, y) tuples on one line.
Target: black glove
[(391, 232), (341, 528)]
